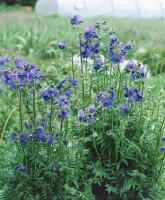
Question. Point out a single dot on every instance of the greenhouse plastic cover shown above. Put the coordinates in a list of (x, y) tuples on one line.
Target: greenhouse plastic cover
[(94, 8)]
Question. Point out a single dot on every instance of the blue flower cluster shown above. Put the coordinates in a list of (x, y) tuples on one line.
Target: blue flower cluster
[(135, 70), (90, 47), (132, 95), (21, 73), (87, 114), (4, 61), (88, 50), (105, 99), (90, 32), (117, 50), (60, 95), (162, 149), (38, 135)]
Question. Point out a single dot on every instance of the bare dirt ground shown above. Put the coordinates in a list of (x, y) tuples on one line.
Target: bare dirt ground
[(14, 16)]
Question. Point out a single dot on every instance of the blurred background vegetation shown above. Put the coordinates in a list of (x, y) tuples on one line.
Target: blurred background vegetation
[(22, 32)]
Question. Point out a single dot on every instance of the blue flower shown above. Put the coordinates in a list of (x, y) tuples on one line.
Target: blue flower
[(124, 108), (22, 138), (63, 114), (55, 166), (20, 168), (133, 94), (46, 94), (162, 149), (60, 84), (63, 102), (23, 169), (106, 101), (89, 32), (42, 122), (100, 95), (56, 92), (73, 82), (81, 115), (50, 139), (30, 137), (163, 139), (98, 65), (88, 50), (90, 119), (40, 134), (67, 93), (16, 167), (117, 50), (61, 45), (75, 20), (92, 108), (26, 124), (87, 114), (66, 142), (12, 136)]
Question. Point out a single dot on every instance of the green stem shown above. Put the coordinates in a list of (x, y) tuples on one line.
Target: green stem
[(160, 169), (119, 77), (82, 71), (20, 109), (34, 107), (4, 128), (72, 66), (95, 146), (51, 112)]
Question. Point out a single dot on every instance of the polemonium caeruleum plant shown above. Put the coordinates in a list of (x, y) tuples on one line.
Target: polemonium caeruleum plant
[(93, 135)]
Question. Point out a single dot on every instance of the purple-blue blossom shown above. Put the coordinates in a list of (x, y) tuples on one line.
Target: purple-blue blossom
[(124, 108), (61, 45), (132, 94), (22, 138), (162, 149), (81, 115), (26, 124), (46, 94), (63, 114), (66, 142), (89, 50), (39, 134), (42, 122), (75, 20), (50, 139), (87, 114), (54, 166), (98, 65), (73, 82), (117, 50), (20, 168), (67, 93), (163, 139), (106, 100), (89, 32), (12, 136)]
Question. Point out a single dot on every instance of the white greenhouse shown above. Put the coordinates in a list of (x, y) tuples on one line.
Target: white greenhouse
[(93, 8)]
